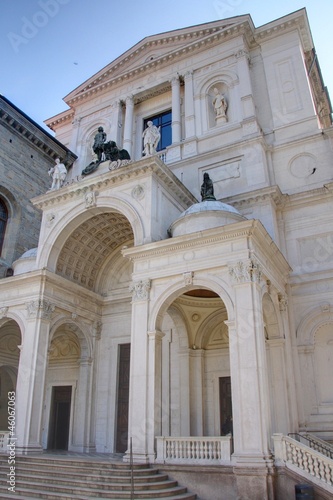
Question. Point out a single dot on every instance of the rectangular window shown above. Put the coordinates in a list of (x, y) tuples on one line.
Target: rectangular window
[(163, 121)]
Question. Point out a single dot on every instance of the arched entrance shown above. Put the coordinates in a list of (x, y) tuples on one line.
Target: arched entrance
[(10, 339), (68, 390), (196, 383)]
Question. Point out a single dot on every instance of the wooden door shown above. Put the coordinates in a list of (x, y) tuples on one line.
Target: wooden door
[(123, 397), (60, 418), (225, 406)]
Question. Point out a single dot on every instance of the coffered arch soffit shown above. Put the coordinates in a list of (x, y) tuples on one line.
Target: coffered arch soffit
[(65, 227), (89, 244)]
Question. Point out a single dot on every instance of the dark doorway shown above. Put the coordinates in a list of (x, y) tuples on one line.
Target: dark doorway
[(59, 418), (123, 397), (225, 406)]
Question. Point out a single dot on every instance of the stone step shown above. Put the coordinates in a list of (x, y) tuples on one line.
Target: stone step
[(53, 478), (50, 483), (63, 476), (22, 495), (81, 494)]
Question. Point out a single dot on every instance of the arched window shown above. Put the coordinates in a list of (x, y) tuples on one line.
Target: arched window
[(3, 222)]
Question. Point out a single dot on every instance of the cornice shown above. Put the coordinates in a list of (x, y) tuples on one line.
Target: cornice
[(61, 118), (312, 196), (271, 193), (151, 166), (202, 39), (41, 140), (295, 21)]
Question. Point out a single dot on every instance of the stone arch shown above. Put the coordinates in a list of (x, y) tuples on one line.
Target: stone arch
[(10, 340), (180, 323), (76, 328), (315, 347), (164, 301), (308, 326), (213, 331), (73, 249), (272, 325)]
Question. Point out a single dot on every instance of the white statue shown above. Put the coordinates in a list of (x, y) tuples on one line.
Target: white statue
[(151, 137), (58, 173), (220, 104)]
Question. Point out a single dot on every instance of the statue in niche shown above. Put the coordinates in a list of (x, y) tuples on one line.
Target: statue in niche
[(58, 173), (151, 137), (99, 141), (105, 151), (220, 106), (207, 188)]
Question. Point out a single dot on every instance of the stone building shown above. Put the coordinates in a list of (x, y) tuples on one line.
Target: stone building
[(197, 328)]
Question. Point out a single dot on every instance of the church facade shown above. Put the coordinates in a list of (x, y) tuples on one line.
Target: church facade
[(192, 325)]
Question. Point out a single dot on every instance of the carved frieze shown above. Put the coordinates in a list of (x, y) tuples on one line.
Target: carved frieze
[(188, 278), (140, 290), (245, 271), (3, 312), (40, 308)]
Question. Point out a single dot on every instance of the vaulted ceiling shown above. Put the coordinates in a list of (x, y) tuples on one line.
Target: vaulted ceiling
[(90, 245)]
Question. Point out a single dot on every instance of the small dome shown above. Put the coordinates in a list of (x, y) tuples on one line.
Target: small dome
[(29, 254), (205, 215), (25, 263)]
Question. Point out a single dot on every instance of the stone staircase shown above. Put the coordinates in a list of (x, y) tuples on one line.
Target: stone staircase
[(82, 479)]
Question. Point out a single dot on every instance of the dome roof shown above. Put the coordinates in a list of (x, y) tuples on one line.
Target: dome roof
[(205, 215), (29, 254), (25, 263)]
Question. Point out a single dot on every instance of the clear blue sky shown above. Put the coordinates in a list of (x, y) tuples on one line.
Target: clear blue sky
[(49, 47)]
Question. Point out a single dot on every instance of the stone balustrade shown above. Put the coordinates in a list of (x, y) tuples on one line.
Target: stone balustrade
[(304, 460), (194, 450)]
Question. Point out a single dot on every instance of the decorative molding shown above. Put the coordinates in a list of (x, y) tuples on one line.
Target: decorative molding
[(140, 289), (97, 330), (3, 312), (283, 302), (145, 166), (245, 271), (138, 192), (90, 199), (188, 278), (40, 308)]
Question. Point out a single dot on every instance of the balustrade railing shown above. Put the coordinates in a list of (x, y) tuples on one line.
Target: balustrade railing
[(189, 450), (305, 460)]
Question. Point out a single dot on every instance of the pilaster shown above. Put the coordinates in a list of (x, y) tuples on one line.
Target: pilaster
[(128, 128), (154, 390), (249, 377), (139, 418), (31, 376)]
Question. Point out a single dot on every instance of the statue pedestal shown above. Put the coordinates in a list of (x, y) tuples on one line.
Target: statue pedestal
[(220, 119)]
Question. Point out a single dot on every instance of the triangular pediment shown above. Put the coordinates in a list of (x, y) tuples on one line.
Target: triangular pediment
[(155, 49)]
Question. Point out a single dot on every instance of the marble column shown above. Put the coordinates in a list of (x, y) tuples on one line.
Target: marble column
[(138, 418), (154, 409), (176, 119), (128, 128), (31, 377)]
